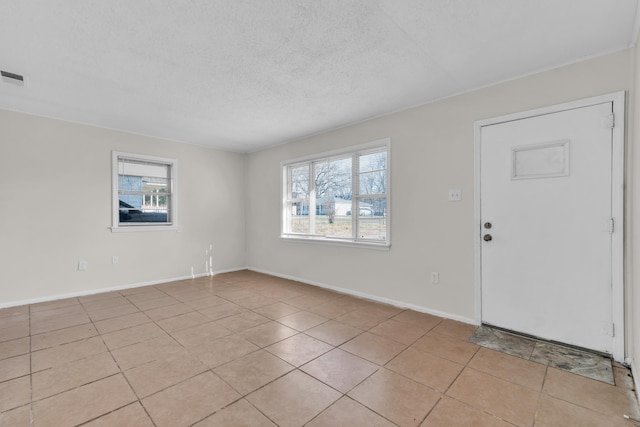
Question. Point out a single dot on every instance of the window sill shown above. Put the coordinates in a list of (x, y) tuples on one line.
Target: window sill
[(386, 246), (136, 228)]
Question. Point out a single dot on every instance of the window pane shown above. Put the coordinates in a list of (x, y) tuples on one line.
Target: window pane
[(298, 217), (333, 198), (131, 184), (372, 219), (333, 178), (373, 182), (373, 161), (299, 176), (373, 173), (146, 213)]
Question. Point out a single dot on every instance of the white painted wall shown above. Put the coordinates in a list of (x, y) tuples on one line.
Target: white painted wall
[(432, 151), (55, 209)]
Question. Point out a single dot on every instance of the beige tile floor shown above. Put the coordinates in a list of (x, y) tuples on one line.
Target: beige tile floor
[(246, 349)]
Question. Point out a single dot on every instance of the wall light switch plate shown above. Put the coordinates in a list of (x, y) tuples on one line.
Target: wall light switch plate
[(82, 265), (455, 195)]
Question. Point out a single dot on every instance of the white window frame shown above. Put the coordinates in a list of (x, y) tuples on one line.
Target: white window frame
[(172, 224), (354, 152)]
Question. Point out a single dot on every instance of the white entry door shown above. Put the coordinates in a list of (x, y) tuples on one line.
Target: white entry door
[(546, 226)]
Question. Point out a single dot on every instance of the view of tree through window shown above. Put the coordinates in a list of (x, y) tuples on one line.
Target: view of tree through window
[(345, 199), (333, 198)]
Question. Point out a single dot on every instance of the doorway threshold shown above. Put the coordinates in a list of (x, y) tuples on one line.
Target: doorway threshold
[(578, 361)]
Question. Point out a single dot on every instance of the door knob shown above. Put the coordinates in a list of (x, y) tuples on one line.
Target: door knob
[(487, 237)]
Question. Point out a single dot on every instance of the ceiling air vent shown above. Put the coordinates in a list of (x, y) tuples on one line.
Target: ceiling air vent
[(11, 78)]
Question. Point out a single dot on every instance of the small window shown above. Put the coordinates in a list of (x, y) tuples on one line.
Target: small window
[(341, 196), (143, 192)]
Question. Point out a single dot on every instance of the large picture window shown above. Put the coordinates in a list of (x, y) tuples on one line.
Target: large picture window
[(341, 196), (143, 192)]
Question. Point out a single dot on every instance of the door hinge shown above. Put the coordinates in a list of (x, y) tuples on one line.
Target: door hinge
[(610, 121), (612, 331)]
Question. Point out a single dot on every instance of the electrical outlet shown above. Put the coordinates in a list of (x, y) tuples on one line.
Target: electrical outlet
[(115, 259), (82, 265), (435, 277), (455, 195)]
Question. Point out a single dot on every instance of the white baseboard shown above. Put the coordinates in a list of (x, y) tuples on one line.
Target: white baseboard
[(113, 288), (376, 298)]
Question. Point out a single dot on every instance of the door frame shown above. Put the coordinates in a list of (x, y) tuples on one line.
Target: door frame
[(617, 266)]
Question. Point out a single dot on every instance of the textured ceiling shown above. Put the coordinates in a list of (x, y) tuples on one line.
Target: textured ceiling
[(244, 74)]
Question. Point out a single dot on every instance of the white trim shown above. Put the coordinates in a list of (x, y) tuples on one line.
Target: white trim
[(335, 242), (371, 297), (477, 231), (618, 100), (617, 238), (115, 223), (111, 289), (143, 228), (636, 377), (636, 27)]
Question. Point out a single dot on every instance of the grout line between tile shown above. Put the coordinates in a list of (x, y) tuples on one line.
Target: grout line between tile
[(544, 379), (121, 372)]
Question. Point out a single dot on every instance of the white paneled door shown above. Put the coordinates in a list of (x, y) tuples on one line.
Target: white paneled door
[(546, 223)]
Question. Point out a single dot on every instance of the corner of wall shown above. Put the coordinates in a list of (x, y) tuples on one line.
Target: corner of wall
[(246, 208), (633, 205)]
